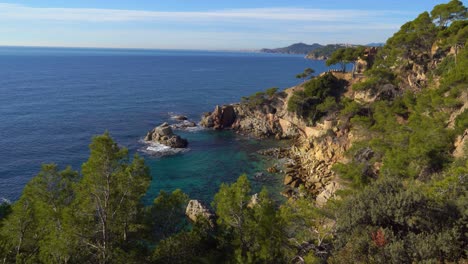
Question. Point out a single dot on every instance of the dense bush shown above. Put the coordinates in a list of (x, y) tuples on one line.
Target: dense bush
[(259, 98), (320, 96), (395, 222)]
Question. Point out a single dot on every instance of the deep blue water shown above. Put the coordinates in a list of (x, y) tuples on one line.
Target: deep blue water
[(53, 100)]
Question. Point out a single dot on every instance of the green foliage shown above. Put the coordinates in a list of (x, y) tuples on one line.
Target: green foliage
[(350, 108), (306, 73), (322, 87), (457, 76), (376, 78), (461, 122), (5, 210), (260, 98), (307, 224), (325, 51), (108, 197), (412, 226), (63, 218), (409, 136), (271, 91), (319, 97), (355, 172), (195, 246), (454, 34), (253, 231), (328, 105), (35, 229), (443, 14), (344, 56), (445, 65), (415, 36), (166, 216)]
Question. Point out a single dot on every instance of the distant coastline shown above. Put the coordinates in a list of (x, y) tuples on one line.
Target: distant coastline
[(314, 51)]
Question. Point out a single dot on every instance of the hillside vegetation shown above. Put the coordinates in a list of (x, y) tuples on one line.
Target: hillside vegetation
[(324, 52)]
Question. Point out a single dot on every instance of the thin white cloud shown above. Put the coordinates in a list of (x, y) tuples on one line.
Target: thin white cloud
[(21, 12)]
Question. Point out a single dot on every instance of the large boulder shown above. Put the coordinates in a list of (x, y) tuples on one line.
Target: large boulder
[(222, 117), (163, 134), (195, 209)]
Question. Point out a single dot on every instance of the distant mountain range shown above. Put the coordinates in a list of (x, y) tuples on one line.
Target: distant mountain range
[(298, 48), (315, 51)]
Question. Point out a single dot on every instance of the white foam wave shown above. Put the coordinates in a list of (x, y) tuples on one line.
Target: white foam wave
[(156, 149), (187, 125), (4, 200), (195, 128)]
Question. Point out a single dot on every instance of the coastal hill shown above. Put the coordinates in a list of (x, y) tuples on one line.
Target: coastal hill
[(315, 51), (324, 52), (297, 48)]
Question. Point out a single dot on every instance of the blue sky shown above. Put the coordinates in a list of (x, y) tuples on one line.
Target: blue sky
[(202, 24)]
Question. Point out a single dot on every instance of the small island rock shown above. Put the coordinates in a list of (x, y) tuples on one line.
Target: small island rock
[(163, 134)]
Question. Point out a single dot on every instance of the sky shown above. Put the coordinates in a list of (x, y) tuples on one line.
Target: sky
[(202, 24)]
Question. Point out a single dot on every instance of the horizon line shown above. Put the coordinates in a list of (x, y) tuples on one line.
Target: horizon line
[(176, 49)]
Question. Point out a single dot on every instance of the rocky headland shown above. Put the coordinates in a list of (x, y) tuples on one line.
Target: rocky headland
[(314, 151)]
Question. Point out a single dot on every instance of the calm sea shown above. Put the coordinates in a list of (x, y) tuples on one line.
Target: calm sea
[(53, 100)]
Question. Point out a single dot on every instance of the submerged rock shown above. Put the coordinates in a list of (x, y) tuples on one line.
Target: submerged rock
[(163, 134), (179, 117)]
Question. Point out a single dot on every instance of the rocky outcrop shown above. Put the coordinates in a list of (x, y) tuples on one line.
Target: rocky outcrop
[(163, 134), (315, 150), (312, 162), (195, 210), (464, 99), (263, 120), (380, 92), (260, 122), (222, 117), (461, 145)]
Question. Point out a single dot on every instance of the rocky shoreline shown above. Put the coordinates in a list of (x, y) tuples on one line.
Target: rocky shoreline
[(315, 149), (307, 164)]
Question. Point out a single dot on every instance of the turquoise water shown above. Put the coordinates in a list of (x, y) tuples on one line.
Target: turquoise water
[(52, 101), (214, 157)]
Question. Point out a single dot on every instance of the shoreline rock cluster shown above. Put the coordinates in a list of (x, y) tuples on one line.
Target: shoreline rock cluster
[(268, 119), (163, 134)]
